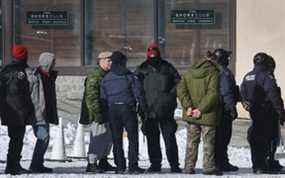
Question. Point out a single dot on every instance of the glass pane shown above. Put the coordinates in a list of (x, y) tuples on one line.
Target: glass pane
[(49, 26), (139, 31), (187, 42), (118, 25)]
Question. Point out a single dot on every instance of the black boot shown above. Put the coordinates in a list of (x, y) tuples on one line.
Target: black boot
[(274, 165), (175, 169), (154, 168), (136, 170), (105, 165), (227, 167), (11, 166), (20, 168), (14, 167), (215, 172), (93, 168)]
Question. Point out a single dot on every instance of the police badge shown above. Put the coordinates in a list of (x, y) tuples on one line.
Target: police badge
[(21, 75)]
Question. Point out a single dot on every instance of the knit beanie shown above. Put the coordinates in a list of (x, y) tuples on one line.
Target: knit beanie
[(118, 58), (19, 52)]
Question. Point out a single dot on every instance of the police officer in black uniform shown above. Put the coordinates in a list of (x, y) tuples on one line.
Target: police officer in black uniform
[(121, 91), (229, 95), (16, 107), (272, 163), (159, 80), (260, 96)]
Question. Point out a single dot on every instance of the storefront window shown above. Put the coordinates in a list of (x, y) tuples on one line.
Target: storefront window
[(185, 42), (118, 25), (52, 26)]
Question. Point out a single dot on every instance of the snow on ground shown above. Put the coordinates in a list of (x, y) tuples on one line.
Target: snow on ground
[(76, 168)]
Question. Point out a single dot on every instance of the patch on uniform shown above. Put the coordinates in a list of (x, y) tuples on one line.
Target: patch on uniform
[(250, 77), (21, 75), (271, 76)]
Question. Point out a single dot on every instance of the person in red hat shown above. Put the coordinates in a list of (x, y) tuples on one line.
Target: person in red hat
[(159, 79), (16, 108)]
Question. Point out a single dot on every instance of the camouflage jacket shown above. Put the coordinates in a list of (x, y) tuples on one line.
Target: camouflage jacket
[(91, 100)]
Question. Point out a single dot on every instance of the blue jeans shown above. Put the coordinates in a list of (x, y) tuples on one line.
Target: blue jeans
[(41, 131)]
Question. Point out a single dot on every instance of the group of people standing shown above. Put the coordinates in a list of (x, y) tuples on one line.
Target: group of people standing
[(28, 97), (114, 97)]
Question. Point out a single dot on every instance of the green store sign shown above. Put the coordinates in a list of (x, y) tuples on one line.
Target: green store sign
[(48, 18), (193, 17)]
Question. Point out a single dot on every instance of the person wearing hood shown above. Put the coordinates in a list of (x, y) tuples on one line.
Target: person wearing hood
[(159, 79), (93, 113), (121, 92), (43, 94), (229, 95), (261, 97), (198, 93), (16, 107)]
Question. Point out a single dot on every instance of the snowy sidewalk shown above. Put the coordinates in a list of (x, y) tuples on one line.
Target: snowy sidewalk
[(239, 155)]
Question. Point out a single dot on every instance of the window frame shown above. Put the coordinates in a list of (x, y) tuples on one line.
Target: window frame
[(8, 31)]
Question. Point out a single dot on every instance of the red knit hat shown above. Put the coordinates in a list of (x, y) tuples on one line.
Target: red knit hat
[(153, 51), (19, 52)]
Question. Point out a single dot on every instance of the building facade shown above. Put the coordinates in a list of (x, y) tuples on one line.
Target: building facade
[(77, 30)]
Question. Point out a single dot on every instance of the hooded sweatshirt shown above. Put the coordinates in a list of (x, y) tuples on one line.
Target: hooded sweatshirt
[(199, 88), (46, 60), (42, 86)]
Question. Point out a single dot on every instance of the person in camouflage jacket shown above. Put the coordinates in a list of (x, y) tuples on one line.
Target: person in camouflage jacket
[(198, 93), (92, 112)]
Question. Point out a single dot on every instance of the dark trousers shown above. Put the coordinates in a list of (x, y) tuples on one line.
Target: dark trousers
[(124, 117), (260, 134), (16, 134), (41, 131), (168, 128), (259, 148), (223, 138)]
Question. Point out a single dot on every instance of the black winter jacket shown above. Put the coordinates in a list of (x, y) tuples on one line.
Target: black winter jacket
[(159, 83), (16, 107), (50, 95)]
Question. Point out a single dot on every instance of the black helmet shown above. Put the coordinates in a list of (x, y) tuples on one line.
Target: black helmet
[(260, 59), (221, 56)]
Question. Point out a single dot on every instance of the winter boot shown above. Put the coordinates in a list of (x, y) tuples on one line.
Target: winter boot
[(11, 166), (215, 172), (105, 165), (153, 169), (227, 167), (136, 170), (93, 168), (175, 169)]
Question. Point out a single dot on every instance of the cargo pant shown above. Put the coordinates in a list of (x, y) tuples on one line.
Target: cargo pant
[(193, 139), (100, 142)]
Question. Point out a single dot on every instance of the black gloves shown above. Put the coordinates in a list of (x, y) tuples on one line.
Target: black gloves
[(246, 105), (145, 118), (100, 119)]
